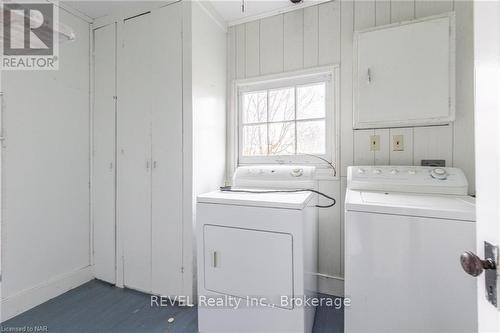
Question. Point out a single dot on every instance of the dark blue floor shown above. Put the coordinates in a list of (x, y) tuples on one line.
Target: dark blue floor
[(98, 307)]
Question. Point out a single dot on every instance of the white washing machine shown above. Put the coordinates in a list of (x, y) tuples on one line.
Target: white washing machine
[(405, 228), (257, 253)]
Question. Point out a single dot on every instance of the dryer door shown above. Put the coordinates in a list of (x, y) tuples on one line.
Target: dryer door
[(248, 263)]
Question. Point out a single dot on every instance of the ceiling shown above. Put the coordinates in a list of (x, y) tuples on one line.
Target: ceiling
[(95, 9), (229, 10)]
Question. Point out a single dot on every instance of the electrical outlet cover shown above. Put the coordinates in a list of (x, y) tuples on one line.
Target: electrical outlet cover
[(374, 142), (398, 143)]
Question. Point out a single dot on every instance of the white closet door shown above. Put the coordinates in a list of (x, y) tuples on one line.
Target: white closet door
[(103, 185), (167, 150), (134, 154)]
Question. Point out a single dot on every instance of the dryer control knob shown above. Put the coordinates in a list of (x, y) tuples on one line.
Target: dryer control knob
[(439, 173), (394, 171), (297, 172), (412, 172), (377, 171), (361, 171)]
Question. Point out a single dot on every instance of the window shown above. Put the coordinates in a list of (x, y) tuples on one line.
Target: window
[(286, 119)]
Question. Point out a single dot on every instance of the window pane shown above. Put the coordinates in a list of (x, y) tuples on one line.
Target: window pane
[(254, 107), (281, 138), (311, 101), (282, 104), (311, 137), (254, 140)]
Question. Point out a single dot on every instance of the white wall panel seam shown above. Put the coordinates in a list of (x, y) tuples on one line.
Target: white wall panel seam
[(303, 39), (116, 148), (91, 141), (318, 33), (283, 44), (245, 75)]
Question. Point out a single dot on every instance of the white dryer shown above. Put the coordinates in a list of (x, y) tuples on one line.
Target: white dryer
[(257, 253), (405, 228)]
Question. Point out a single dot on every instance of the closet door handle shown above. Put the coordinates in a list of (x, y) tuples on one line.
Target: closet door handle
[(154, 164), (147, 165), (369, 76)]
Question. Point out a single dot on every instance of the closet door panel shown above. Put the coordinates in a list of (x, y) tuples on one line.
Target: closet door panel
[(134, 138), (103, 173), (167, 150)]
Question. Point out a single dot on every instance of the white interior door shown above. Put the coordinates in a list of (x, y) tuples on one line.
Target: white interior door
[(167, 150), (487, 122), (104, 144), (134, 151)]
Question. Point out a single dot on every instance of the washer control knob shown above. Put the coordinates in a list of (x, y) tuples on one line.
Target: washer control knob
[(439, 173), (412, 172), (361, 171), (377, 171), (297, 172), (394, 171)]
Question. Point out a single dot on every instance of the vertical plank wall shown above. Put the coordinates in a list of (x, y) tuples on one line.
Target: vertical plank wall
[(323, 35)]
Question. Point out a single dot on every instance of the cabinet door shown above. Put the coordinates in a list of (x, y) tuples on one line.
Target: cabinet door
[(167, 150), (404, 74), (134, 139), (244, 262), (104, 144)]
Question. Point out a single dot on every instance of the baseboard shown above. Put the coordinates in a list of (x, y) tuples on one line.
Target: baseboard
[(29, 298), (331, 285)]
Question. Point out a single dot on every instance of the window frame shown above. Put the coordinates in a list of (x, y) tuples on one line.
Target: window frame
[(327, 74)]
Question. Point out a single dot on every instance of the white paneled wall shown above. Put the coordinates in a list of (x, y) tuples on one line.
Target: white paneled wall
[(271, 45), (311, 37), (252, 49), (323, 35), (433, 143), (293, 40)]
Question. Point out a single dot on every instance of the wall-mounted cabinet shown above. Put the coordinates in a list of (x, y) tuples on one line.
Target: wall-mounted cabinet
[(404, 74)]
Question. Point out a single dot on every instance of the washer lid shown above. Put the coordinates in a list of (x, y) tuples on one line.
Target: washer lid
[(297, 200), (423, 205)]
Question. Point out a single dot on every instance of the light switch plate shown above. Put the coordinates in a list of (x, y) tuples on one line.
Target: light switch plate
[(374, 142), (398, 143)]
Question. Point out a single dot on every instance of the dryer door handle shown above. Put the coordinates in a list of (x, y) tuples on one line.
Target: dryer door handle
[(215, 259)]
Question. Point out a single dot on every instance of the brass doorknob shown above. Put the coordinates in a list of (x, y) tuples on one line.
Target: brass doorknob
[(473, 265)]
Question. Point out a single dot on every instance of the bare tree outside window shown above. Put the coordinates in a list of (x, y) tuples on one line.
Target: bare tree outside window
[(284, 121)]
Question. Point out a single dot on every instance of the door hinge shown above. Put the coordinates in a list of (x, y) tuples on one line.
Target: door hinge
[(182, 270)]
